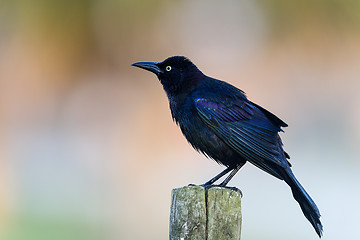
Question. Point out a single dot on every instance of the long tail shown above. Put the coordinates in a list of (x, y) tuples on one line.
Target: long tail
[(307, 205)]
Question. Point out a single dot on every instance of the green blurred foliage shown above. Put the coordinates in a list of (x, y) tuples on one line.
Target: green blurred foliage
[(80, 31), (87, 31), (41, 228), (288, 16)]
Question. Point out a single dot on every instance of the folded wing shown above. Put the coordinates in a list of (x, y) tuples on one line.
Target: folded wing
[(247, 129)]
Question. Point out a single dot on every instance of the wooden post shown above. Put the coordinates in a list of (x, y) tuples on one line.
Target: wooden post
[(199, 213)]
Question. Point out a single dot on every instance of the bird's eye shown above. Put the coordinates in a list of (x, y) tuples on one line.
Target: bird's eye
[(168, 68)]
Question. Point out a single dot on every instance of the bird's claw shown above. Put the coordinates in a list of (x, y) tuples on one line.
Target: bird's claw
[(208, 186)]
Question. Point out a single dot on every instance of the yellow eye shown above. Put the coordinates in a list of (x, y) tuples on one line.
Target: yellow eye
[(168, 68)]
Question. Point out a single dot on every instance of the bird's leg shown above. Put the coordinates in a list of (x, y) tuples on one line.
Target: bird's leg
[(231, 175), (214, 179)]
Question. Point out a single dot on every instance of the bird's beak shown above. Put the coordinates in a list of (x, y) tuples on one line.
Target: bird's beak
[(150, 66)]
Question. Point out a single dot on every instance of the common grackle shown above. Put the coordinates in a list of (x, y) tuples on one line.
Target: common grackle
[(219, 121)]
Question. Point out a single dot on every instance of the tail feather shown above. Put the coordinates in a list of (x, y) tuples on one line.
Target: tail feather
[(307, 205)]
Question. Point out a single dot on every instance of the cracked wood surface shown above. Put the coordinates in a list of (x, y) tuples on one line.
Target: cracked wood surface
[(199, 213)]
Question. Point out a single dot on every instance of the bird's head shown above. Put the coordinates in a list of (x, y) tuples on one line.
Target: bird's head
[(177, 74)]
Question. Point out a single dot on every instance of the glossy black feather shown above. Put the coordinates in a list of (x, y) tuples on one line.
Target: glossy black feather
[(218, 120)]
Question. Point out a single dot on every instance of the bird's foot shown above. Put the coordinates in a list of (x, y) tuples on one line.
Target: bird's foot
[(192, 185), (208, 186), (205, 185), (234, 189)]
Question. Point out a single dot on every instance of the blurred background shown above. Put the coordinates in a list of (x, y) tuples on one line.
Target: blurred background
[(88, 149)]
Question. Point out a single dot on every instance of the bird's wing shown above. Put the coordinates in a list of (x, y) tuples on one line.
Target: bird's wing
[(246, 129)]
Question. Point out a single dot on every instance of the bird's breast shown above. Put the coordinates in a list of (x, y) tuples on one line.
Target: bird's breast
[(202, 138)]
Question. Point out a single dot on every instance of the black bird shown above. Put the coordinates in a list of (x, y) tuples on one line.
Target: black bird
[(218, 120)]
